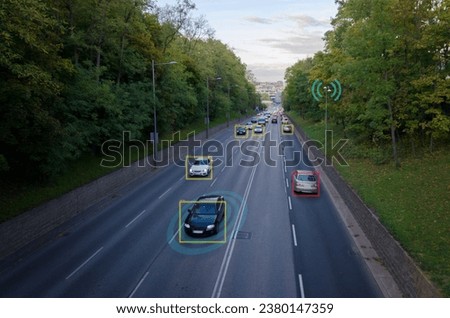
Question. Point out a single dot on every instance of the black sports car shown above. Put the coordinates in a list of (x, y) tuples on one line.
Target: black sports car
[(205, 215)]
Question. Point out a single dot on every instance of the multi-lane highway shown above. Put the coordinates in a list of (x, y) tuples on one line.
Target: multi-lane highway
[(274, 244)]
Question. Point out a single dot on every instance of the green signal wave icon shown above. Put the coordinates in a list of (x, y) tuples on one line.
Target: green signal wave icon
[(335, 89)]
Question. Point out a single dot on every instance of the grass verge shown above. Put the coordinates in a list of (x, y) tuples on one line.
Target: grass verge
[(18, 196), (413, 202)]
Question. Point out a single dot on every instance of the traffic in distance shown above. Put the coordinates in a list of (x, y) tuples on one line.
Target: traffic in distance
[(253, 228)]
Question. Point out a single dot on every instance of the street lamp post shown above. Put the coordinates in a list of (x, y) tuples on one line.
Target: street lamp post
[(155, 130), (207, 104), (327, 90)]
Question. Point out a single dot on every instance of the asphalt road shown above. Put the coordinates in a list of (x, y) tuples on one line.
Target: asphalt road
[(272, 243)]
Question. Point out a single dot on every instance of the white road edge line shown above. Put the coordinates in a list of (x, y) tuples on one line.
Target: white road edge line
[(165, 193), (294, 235), (138, 285), (300, 281), (290, 203), (212, 183), (84, 263)]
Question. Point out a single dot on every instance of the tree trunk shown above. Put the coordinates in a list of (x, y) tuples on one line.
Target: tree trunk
[(394, 142)]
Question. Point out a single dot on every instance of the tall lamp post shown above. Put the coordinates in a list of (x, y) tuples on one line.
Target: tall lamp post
[(327, 90), (207, 104), (155, 130)]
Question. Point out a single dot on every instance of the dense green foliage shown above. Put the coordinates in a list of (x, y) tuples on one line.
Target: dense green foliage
[(75, 73), (392, 58)]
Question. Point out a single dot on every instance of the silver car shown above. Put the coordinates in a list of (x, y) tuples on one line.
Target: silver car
[(306, 181), (201, 167), (258, 129)]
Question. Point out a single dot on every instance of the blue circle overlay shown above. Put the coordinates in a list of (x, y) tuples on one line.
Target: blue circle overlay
[(193, 245)]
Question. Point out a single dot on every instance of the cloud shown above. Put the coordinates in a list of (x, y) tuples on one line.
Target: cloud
[(259, 20), (305, 21), (298, 44)]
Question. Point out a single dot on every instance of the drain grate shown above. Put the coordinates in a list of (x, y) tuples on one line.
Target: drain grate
[(243, 235)]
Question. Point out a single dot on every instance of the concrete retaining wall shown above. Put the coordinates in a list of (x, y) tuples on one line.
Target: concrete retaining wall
[(31, 225), (410, 279)]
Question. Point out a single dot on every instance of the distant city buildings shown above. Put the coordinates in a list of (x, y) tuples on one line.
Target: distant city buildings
[(271, 90)]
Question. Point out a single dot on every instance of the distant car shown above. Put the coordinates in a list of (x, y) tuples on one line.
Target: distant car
[(205, 215), (285, 120), (249, 125), (241, 131), (258, 129), (305, 181), (254, 120), (274, 119), (262, 121), (287, 128), (201, 167)]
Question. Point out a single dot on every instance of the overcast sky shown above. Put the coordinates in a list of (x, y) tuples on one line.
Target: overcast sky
[(268, 36)]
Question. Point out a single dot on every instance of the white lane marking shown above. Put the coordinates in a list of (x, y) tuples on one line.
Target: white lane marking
[(165, 193), (230, 247), (131, 222), (290, 203), (212, 183), (300, 281), (84, 263), (138, 285), (285, 169), (174, 236), (182, 178), (294, 235), (223, 169), (287, 183)]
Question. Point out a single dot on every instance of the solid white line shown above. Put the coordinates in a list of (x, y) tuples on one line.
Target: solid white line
[(223, 169), (230, 247), (212, 183), (300, 281), (84, 263), (290, 203), (135, 219), (165, 193), (182, 178), (138, 285), (294, 236)]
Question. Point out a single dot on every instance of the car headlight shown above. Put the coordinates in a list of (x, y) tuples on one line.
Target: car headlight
[(187, 226), (204, 170), (210, 227)]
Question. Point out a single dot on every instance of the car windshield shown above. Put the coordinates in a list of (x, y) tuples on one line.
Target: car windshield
[(201, 162), (303, 177), (204, 209)]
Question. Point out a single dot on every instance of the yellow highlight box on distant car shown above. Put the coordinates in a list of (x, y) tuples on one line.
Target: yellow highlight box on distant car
[(287, 129)]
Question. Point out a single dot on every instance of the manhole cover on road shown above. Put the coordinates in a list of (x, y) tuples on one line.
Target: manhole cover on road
[(243, 235)]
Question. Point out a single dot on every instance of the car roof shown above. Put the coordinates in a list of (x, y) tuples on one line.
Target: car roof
[(306, 172), (210, 198)]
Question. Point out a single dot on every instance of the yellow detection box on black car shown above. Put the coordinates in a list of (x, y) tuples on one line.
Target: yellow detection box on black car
[(205, 218)]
